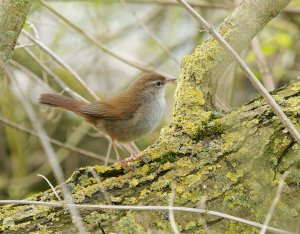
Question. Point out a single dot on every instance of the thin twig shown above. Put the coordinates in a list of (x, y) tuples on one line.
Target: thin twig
[(96, 42), (171, 212), (52, 74), (272, 103), (57, 59), (261, 62), (51, 186), (24, 45), (150, 33), (274, 203), (227, 6), (56, 142), (30, 74), (192, 3), (58, 173), (34, 29), (107, 157), (201, 205), (152, 208), (147, 17)]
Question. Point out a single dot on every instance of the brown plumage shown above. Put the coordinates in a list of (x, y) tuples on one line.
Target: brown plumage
[(125, 117)]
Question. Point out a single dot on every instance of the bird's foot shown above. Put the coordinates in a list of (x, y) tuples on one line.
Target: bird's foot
[(132, 158), (124, 162)]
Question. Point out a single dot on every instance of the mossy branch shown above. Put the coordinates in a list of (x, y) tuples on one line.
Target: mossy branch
[(201, 70), (12, 18), (236, 168), (234, 161)]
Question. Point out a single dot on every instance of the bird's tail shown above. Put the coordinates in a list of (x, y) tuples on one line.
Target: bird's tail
[(61, 101)]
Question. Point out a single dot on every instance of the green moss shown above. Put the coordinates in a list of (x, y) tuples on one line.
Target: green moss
[(210, 129), (168, 157)]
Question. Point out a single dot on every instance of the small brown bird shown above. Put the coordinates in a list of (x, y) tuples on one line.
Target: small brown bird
[(127, 116)]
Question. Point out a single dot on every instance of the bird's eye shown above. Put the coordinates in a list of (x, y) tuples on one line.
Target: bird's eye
[(158, 83)]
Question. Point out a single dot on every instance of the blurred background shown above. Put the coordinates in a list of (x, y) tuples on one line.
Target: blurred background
[(108, 44)]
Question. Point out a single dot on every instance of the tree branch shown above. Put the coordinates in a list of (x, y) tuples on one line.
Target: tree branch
[(12, 18)]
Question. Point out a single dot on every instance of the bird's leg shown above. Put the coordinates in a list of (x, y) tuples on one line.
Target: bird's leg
[(134, 146), (123, 162), (116, 150), (130, 150)]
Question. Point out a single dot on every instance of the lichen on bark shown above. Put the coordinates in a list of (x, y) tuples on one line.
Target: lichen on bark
[(12, 18), (236, 170), (233, 161)]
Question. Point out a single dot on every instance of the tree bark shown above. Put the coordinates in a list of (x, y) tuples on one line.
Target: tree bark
[(12, 17), (232, 160)]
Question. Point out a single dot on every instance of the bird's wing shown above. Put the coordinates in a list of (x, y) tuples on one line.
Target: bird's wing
[(115, 108)]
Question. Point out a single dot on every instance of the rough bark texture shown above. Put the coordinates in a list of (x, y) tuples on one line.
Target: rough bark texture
[(12, 17), (233, 160)]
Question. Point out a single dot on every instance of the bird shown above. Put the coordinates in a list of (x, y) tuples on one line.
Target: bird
[(125, 117)]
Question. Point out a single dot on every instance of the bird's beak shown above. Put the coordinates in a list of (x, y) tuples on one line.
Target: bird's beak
[(173, 80)]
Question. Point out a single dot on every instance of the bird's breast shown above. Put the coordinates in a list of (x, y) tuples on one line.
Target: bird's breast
[(142, 122), (150, 114)]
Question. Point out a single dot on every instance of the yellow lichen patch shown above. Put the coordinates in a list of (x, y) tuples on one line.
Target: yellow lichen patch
[(83, 192), (230, 139), (190, 225), (144, 193), (43, 229), (102, 169), (184, 198), (128, 224), (180, 189), (145, 169), (115, 199), (295, 86), (150, 177), (166, 166), (161, 184), (280, 143), (292, 105), (189, 108), (133, 183), (234, 176)]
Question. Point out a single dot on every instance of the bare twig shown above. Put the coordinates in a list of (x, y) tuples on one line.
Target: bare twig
[(34, 29), (192, 3), (56, 58), (108, 153), (201, 205), (52, 74), (274, 203), (152, 208), (96, 42), (150, 33), (148, 17), (272, 103), (51, 186), (197, 4), (292, 10), (261, 62), (58, 173), (30, 74), (171, 212), (56, 142), (24, 45)]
